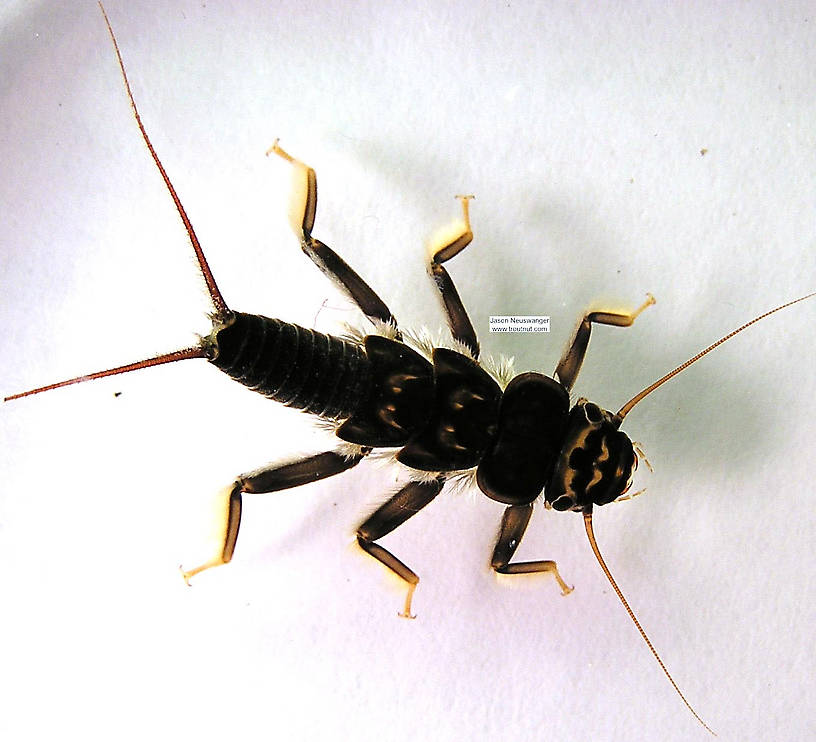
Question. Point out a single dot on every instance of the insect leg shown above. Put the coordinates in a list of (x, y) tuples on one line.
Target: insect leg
[(570, 363), (514, 523), (272, 479), (302, 217), (460, 325), (409, 500)]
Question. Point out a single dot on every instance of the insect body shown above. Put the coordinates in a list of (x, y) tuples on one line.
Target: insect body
[(442, 412)]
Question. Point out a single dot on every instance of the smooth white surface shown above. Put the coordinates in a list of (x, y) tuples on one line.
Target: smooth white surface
[(580, 129)]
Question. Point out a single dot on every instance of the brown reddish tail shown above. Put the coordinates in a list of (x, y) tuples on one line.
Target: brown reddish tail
[(221, 309), (176, 355), (594, 544), (220, 305)]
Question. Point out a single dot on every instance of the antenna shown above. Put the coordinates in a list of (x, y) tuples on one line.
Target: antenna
[(594, 544), (627, 408)]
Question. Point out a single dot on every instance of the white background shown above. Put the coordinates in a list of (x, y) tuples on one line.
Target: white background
[(579, 127)]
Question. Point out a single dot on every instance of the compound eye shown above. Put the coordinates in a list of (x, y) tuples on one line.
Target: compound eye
[(593, 413)]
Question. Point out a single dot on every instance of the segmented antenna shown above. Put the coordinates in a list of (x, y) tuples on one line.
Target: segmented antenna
[(594, 544), (627, 408)]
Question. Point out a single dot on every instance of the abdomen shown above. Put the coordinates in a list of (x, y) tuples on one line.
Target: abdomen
[(321, 374)]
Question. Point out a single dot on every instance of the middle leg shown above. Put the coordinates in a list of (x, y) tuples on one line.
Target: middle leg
[(407, 502), (458, 320)]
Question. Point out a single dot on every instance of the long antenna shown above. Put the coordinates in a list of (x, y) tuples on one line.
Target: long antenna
[(623, 411), (594, 544), (221, 308)]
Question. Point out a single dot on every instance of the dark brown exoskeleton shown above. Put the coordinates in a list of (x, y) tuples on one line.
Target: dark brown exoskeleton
[(444, 413)]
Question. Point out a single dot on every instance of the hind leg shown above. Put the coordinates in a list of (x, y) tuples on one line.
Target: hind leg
[(271, 479), (302, 217)]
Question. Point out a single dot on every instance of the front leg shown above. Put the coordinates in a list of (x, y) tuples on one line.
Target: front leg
[(570, 363), (513, 525)]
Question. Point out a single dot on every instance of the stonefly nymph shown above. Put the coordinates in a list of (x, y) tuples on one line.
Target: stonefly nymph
[(445, 415)]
